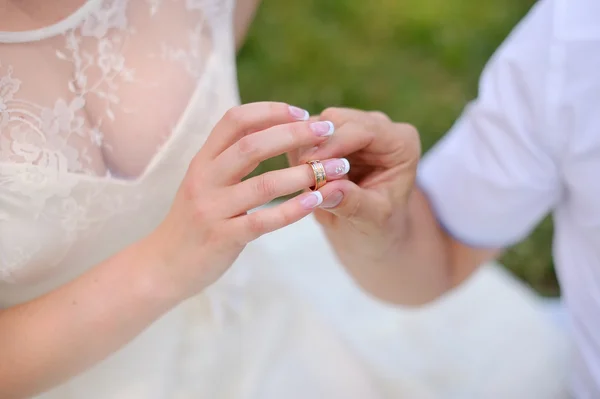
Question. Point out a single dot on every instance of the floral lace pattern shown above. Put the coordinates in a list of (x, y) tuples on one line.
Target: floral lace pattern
[(112, 76), (95, 50)]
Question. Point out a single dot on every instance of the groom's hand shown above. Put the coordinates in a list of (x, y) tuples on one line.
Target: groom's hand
[(359, 213), (383, 156)]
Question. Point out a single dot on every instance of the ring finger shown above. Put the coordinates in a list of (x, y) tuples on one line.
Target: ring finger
[(262, 189)]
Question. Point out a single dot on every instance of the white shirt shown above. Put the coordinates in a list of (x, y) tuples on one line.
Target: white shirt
[(530, 145)]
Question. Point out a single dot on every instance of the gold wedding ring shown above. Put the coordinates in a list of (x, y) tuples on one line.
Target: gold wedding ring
[(320, 175)]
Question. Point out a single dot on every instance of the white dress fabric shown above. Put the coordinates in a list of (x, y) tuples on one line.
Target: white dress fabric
[(100, 114)]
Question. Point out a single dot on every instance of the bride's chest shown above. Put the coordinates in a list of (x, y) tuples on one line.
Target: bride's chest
[(104, 97), (137, 101), (55, 223)]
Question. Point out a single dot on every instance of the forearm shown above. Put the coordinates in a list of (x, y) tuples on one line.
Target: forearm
[(47, 340)]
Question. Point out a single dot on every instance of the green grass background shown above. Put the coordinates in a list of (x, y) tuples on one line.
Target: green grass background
[(417, 60)]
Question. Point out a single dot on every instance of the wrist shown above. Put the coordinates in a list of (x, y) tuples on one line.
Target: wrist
[(152, 281), (399, 226)]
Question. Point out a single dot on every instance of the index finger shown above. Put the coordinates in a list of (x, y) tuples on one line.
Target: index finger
[(349, 138), (358, 128), (371, 136), (249, 118)]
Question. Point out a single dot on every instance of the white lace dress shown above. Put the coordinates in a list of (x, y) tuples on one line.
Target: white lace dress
[(100, 114)]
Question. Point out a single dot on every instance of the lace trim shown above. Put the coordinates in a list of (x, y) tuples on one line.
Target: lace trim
[(56, 29), (45, 136)]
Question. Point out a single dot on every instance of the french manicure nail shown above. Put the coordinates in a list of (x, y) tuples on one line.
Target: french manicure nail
[(333, 200), (324, 128), (311, 200), (299, 113), (336, 167)]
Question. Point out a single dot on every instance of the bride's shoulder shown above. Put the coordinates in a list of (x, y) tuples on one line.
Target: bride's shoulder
[(244, 14)]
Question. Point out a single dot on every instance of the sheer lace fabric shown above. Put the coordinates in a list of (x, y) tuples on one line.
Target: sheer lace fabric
[(91, 107), (80, 101)]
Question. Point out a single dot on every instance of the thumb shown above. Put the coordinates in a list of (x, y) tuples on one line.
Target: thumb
[(346, 200)]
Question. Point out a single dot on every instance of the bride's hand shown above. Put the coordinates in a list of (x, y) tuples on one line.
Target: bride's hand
[(359, 213), (209, 224)]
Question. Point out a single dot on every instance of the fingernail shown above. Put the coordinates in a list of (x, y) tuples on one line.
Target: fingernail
[(325, 128), (299, 113), (311, 200), (336, 167), (333, 200)]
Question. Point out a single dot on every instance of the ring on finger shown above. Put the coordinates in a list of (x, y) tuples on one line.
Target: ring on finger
[(320, 175)]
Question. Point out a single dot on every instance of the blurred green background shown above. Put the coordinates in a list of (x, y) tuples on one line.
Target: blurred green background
[(417, 60)]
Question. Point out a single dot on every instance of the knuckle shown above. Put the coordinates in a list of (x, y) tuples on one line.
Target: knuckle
[(379, 115), (201, 213), (333, 114), (297, 131), (287, 217), (366, 129), (265, 186), (408, 144), (215, 238), (412, 138), (363, 134), (221, 236), (189, 187), (235, 115), (247, 147), (255, 224), (197, 174), (282, 218), (408, 129), (416, 148)]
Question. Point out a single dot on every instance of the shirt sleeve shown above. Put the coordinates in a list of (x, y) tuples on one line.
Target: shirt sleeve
[(494, 176)]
